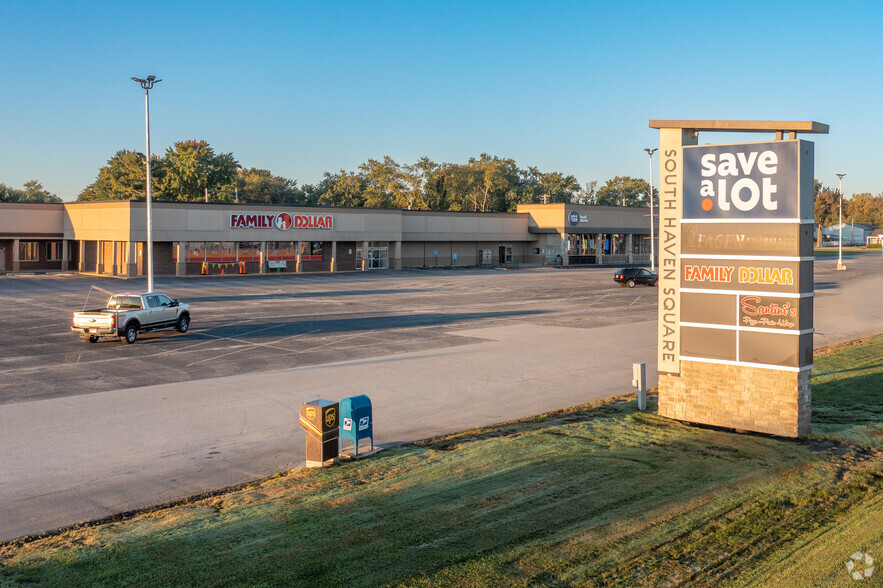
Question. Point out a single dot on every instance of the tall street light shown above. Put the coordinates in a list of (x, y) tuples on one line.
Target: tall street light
[(650, 152), (840, 265), (147, 85)]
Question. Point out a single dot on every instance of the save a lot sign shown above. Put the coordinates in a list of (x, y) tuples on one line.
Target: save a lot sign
[(746, 260)]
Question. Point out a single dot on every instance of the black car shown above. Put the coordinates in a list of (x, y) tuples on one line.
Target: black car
[(629, 276)]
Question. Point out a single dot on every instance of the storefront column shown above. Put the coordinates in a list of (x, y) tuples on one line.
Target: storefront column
[(565, 253), (334, 256), (16, 261), (113, 257), (297, 264), (81, 264), (263, 257), (99, 255), (131, 260), (365, 257), (600, 248), (397, 256), (628, 247), (65, 254), (181, 264)]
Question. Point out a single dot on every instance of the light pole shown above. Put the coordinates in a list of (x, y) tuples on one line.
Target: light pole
[(840, 265), (147, 85), (650, 152)]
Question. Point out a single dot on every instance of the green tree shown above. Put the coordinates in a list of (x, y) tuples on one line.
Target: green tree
[(384, 184), (259, 185), (123, 178), (589, 194), (826, 207), (341, 189), (33, 192), (864, 208), (193, 166), (625, 191), (557, 186), (486, 184)]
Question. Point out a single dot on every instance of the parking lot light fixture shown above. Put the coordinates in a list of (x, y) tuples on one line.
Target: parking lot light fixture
[(147, 85), (840, 265), (650, 152)]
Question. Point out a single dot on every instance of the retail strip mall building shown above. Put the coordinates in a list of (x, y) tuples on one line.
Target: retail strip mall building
[(109, 238)]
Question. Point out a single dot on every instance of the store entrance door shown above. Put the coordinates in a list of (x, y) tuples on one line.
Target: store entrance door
[(505, 254), (2, 260)]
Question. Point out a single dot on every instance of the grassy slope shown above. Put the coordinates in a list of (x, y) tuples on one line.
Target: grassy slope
[(595, 495)]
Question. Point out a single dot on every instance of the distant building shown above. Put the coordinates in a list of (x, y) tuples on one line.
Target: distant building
[(853, 233)]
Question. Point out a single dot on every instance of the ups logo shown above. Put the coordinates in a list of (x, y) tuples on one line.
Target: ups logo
[(311, 413), (331, 417)]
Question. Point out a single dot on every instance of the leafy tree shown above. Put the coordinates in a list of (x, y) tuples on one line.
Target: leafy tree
[(384, 184), (625, 191), (33, 192), (589, 194), (425, 185), (123, 178), (826, 208), (558, 187), (341, 189), (193, 166), (864, 208), (259, 185)]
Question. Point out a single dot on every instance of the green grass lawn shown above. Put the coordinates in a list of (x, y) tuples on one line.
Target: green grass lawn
[(596, 495), (834, 252)]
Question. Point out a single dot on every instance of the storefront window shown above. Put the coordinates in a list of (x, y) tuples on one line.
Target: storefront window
[(28, 251), (312, 251), (55, 251), (281, 250), (249, 251)]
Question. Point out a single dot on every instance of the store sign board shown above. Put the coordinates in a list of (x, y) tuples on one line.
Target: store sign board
[(749, 275), (282, 221), (742, 238), (745, 263), (742, 181)]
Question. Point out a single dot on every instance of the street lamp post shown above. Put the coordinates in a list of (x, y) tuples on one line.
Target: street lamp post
[(147, 85), (650, 152), (840, 265)]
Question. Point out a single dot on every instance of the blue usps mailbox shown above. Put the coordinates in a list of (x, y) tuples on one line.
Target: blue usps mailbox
[(356, 421)]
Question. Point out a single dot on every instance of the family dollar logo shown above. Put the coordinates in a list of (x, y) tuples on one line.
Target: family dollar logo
[(743, 181), (283, 221)]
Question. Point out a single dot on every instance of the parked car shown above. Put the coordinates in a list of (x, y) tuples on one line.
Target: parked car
[(126, 315), (629, 276)]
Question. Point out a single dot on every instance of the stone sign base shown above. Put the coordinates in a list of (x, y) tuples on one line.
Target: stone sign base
[(754, 399)]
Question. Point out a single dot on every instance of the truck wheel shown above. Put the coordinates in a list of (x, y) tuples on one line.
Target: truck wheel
[(183, 323), (93, 339), (131, 334)]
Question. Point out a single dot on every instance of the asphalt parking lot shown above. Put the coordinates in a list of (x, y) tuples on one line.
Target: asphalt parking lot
[(246, 324)]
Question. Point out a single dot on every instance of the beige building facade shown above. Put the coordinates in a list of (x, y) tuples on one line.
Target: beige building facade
[(109, 238)]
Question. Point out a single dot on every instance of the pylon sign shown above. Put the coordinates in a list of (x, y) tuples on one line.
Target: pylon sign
[(746, 254)]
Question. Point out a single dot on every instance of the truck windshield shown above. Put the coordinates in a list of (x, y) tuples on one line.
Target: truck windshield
[(124, 302)]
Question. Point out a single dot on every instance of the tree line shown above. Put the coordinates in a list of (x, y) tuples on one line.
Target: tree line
[(483, 184)]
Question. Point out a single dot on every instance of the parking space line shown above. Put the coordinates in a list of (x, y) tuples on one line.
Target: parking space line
[(598, 300)]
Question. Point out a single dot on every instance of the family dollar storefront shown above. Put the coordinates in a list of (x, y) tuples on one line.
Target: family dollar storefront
[(109, 238), (582, 234)]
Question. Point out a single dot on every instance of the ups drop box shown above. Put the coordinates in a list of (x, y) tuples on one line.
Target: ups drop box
[(320, 419)]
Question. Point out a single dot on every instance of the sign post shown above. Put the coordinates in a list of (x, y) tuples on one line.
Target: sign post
[(736, 286)]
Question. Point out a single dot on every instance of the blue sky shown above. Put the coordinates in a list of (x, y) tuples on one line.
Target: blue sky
[(301, 88)]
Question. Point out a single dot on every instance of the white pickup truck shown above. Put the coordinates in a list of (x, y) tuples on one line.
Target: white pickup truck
[(126, 315)]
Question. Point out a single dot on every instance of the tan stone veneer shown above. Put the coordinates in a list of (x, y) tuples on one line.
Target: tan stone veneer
[(756, 399)]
